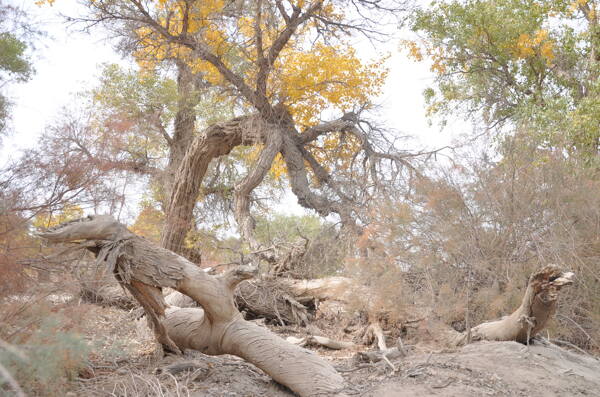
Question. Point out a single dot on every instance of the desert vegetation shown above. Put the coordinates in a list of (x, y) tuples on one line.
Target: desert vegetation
[(148, 244)]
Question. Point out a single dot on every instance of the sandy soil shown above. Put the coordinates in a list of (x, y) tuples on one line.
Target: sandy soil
[(494, 369), (136, 368)]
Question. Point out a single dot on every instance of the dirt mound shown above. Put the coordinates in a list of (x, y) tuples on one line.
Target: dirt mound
[(487, 368)]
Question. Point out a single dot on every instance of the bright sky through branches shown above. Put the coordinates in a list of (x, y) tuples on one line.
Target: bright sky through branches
[(67, 62)]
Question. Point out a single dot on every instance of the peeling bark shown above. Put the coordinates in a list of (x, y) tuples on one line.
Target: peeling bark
[(185, 120), (216, 328)]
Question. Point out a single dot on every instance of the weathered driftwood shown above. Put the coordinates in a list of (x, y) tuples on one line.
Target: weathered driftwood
[(216, 328), (337, 288), (537, 307), (316, 340), (258, 299)]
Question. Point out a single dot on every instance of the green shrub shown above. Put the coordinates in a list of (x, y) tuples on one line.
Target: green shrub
[(54, 356)]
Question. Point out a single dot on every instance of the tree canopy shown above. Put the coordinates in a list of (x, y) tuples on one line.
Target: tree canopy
[(15, 62), (529, 64), (286, 68)]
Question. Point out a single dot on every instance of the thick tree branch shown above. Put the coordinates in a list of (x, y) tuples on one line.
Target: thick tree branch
[(256, 175), (301, 188), (215, 141), (348, 120)]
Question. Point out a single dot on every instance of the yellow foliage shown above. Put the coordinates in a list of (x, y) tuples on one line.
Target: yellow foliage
[(307, 79), (326, 76), (528, 46), (438, 65), (149, 223), (48, 219), (278, 167), (155, 48), (414, 52), (575, 5)]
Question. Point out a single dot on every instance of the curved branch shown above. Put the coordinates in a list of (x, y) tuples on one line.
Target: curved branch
[(256, 175), (217, 140), (347, 121), (537, 307), (294, 161)]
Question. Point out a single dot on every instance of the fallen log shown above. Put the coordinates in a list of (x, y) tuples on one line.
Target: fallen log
[(537, 307), (214, 328), (338, 288), (258, 299)]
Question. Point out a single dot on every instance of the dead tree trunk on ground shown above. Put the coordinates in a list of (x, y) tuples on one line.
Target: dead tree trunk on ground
[(216, 328), (283, 300), (537, 307)]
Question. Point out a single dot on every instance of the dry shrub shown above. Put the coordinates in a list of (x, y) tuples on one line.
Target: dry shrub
[(41, 348), (383, 296), (15, 244), (468, 238), (47, 349), (137, 384)]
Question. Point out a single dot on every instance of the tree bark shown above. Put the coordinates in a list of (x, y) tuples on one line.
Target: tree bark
[(217, 140), (250, 182), (216, 328), (538, 306), (184, 126)]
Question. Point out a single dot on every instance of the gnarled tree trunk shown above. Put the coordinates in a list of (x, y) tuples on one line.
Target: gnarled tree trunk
[(215, 141), (216, 328), (537, 307)]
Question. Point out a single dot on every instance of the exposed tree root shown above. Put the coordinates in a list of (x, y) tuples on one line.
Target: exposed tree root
[(316, 340), (537, 307)]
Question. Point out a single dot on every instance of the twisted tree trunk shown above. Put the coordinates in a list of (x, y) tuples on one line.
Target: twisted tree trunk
[(279, 135), (216, 328), (215, 141), (537, 307)]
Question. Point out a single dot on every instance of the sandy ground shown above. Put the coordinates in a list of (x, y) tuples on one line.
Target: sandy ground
[(128, 363), (493, 369)]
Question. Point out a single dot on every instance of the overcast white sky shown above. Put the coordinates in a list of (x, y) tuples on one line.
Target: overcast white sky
[(67, 61)]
